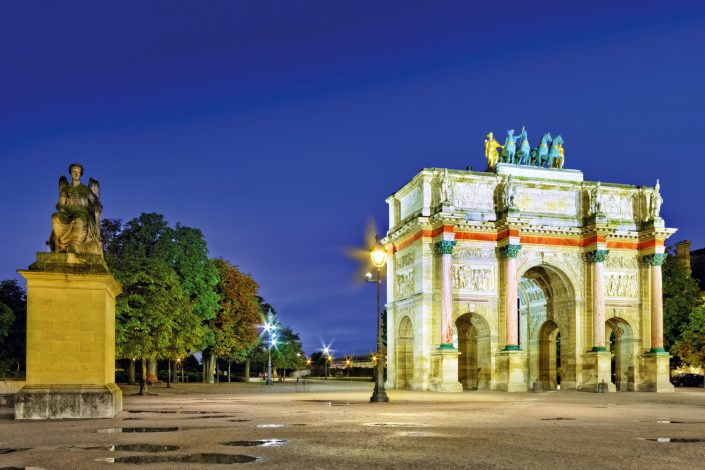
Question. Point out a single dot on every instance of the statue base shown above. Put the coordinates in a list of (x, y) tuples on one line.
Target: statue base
[(444, 364), (512, 372), (656, 372), (597, 372), (68, 401), (70, 339)]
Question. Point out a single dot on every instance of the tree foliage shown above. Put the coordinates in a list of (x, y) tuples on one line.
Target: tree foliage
[(168, 282), (681, 298), (13, 327), (690, 347), (235, 324)]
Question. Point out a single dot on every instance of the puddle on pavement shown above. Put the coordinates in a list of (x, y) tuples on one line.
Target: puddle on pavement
[(126, 430), (259, 443), (191, 458), (238, 420), (4, 450), (560, 418), (674, 439), (129, 448), (395, 425), (209, 417), (22, 468), (269, 426)]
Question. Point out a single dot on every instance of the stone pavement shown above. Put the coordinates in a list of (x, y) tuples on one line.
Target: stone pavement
[(332, 425)]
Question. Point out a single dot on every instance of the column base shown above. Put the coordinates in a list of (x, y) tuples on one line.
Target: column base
[(597, 372), (68, 401), (511, 366), (444, 370), (655, 373)]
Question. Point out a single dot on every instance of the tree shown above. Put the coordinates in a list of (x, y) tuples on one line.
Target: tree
[(13, 327), (681, 297), (167, 272), (690, 347), (149, 309), (235, 325), (287, 352)]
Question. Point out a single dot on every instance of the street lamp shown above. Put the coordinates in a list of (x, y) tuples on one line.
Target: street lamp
[(325, 364), (269, 328), (347, 363), (378, 256)]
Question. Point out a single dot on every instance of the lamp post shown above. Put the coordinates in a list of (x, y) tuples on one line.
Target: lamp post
[(269, 327), (378, 257), (347, 363), (326, 355)]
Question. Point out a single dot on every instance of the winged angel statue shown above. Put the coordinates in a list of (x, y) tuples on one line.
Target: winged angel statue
[(75, 227)]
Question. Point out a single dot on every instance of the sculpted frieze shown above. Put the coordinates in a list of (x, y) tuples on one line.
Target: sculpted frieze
[(474, 195), (407, 259), (405, 284), (547, 201), (621, 262), (621, 284), (617, 206), (475, 278), (471, 253)]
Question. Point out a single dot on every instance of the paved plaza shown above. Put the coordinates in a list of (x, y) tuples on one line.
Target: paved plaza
[(332, 425)]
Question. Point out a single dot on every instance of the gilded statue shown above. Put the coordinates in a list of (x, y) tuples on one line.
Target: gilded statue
[(491, 153), (75, 226)]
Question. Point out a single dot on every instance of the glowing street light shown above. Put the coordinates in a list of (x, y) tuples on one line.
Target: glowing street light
[(269, 327), (326, 353), (378, 256)]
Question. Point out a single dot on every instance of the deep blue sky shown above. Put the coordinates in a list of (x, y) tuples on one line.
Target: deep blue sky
[(279, 128)]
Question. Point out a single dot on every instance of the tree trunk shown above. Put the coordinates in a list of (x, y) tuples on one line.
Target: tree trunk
[(143, 377), (168, 373), (229, 364), (211, 368), (175, 371), (247, 369), (152, 371), (204, 361), (131, 372)]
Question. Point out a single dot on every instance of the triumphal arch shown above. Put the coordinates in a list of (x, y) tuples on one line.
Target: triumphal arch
[(525, 277)]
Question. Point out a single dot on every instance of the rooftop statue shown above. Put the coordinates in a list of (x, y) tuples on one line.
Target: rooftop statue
[(556, 153), (510, 148), (524, 155), (75, 227), (549, 153), (491, 146), (656, 201)]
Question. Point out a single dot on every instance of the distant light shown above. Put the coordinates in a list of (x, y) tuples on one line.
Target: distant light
[(368, 276)]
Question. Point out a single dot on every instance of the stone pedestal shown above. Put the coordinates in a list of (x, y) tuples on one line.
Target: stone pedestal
[(655, 375), (511, 371), (597, 371), (70, 339), (444, 371)]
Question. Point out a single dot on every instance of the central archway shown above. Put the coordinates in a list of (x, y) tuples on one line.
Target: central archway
[(547, 307)]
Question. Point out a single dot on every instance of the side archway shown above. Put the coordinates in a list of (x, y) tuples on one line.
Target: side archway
[(405, 354), (621, 340)]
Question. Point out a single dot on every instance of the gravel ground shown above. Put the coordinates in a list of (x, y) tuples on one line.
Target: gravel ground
[(332, 425)]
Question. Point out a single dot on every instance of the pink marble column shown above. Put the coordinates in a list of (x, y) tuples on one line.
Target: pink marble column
[(655, 261), (597, 258), (445, 248), (509, 253)]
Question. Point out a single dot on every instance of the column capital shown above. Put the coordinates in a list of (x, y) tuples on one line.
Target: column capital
[(657, 259), (445, 247), (509, 251), (597, 256)]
